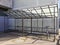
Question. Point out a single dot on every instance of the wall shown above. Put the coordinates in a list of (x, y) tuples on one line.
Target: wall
[(6, 23), (16, 24), (7, 3), (11, 24), (3, 23), (20, 4)]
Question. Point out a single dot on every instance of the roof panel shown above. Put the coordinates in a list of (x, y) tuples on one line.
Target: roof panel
[(39, 11), (47, 11), (52, 9)]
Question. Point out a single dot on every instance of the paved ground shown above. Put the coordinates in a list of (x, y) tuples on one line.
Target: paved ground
[(17, 39)]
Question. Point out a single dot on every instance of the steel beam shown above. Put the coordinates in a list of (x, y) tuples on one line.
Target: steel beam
[(22, 27), (42, 11), (31, 25), (54, 25), (49, 10)]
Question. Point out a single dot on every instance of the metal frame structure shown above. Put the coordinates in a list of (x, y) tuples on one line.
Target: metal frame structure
[(48, 11)]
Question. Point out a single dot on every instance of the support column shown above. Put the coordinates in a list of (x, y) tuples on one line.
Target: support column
[(7, 18), (42, 21), (54, 25), (37, 24), (4, 24), (31, 24), (22, 27), (15, 24)]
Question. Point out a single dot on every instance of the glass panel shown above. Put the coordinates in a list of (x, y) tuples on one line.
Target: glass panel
[(46, 10), (55, 9), (33, 11), (52, 10), (52, 13), (39, 11), (56, 14)]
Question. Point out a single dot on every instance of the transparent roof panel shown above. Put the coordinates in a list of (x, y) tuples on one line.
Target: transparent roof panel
[(35, 12), (52, 13), (46, 10), (56, 14), (55, 9), (39, 11), (52, 10)]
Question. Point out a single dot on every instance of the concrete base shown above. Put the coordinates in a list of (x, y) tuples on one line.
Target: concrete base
[(14, 38)]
